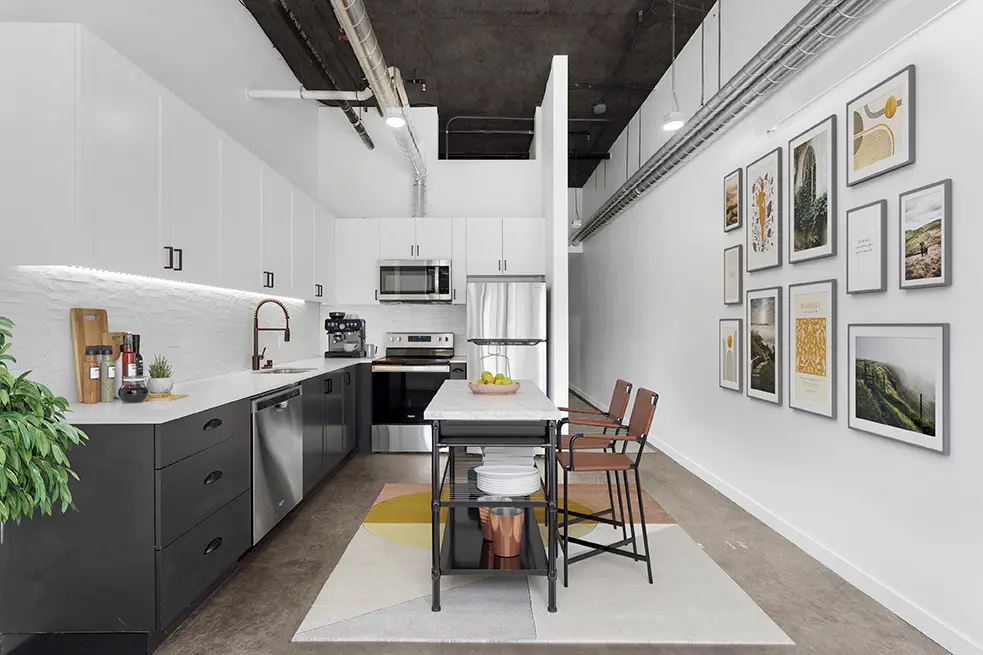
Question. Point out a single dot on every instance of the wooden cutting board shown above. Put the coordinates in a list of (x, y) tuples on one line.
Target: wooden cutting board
[(114, 339), (88, 326)]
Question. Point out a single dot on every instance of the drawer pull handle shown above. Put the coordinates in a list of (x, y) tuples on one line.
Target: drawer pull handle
[(213, 477), (213, 545), (212, 424)]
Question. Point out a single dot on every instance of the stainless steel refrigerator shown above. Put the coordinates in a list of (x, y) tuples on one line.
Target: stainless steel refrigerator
[(507, 330)]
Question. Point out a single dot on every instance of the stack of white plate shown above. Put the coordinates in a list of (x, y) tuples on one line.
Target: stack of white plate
[(507, 480)]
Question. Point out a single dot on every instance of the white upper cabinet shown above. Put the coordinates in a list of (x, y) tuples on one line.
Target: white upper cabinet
[(459, 261), (276, 238), (242, 219), (397, 238), (484, 246), (324, 257), (302, 251), (524, 246), (192, 227), (119, 154), (434, 238), (356, 261)]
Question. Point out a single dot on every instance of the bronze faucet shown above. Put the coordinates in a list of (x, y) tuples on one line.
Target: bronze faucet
[(257, 329)]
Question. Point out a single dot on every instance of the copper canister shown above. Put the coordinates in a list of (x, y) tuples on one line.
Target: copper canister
[(484, 514), (506, 526)]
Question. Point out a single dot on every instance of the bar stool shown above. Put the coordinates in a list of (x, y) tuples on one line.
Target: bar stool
[(576, 460), (606, 421)]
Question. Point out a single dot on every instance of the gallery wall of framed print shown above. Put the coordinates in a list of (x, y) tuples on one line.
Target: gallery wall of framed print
[(764, 212), (881, 129), (866, 257), (734, 275), (899, 382), (926, 223), (812, 193), (763, 345), (812, 347), (729, 346), (733, 206)]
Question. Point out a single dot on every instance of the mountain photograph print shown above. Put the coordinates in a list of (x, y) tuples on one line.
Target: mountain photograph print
[(898, 381), (881, 128), (764, 344), (732, 201), (925, 220), (764, 212), (812, 163)]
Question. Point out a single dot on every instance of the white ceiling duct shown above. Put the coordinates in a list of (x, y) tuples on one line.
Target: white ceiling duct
[(810, 33), (387, 86)]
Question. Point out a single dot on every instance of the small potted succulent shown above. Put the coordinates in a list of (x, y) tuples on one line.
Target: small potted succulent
[(160, 375)]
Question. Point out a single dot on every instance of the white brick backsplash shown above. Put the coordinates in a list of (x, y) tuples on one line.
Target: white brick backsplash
[(202, 331)]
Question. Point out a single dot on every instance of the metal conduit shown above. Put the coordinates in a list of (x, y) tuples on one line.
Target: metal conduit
[(810, 33)]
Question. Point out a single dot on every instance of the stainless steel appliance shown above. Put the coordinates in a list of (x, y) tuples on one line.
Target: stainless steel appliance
[(403, 384), (278, 458), (345, 337), (421, 280), (508, 320)]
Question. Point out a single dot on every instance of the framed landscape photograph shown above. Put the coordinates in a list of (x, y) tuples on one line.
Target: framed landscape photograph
[(899, 382), (764, 212), (729, 345), (733, 209), (734, 275), (866, 257), (881, 133), (812, 347), (925, 215), (812, 196), (763, 345)]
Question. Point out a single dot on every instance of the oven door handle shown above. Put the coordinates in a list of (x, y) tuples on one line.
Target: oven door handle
[(399, 368)]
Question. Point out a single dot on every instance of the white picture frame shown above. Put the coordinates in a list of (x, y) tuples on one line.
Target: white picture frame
[(763, 204), (880, 130), (866, 257), (812, 183), (763, 345), (812, 347), (908, 362), (924, 247), (734, 275), (730, 334)]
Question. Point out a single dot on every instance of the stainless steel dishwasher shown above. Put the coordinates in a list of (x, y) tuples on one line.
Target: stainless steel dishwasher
[(278, 458)]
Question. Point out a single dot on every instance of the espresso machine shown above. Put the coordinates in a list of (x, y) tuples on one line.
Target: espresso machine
[(345, 336)]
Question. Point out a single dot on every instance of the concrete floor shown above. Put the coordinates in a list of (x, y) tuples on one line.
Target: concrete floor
[(259, 608)]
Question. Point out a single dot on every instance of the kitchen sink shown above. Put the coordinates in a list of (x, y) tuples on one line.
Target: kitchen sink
[(285, 371)]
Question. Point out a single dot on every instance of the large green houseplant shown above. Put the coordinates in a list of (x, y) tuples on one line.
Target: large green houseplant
[(34, 442)]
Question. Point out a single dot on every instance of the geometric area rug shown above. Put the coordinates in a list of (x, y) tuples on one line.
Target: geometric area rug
[(380, 589)]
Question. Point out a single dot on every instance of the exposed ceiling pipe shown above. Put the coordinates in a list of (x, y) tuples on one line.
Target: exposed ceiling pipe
[(386, 84), (307, 94), (810, 33), (293, 23)]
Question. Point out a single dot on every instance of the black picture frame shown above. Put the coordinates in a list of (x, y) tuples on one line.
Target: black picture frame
[(831, 348), (775, 398), (779, 216), (740, 354), (740, 200), (946, 250), (831, 193), (910, 127), (740, 274), (882, 244)]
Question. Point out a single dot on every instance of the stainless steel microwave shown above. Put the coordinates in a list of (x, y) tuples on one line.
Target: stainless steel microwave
[(420, 280)]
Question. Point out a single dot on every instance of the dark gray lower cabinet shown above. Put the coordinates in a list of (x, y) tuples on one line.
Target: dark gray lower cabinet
[(325, 444)]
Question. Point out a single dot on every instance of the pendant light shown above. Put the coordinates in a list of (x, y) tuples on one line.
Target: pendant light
[(674, 119)]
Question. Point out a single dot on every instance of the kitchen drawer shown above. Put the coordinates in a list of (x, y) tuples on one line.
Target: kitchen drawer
[(193, 434), (190, 565), (191, 490)]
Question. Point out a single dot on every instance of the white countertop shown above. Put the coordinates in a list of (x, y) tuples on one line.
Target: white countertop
[(454, 401), (205, 394)]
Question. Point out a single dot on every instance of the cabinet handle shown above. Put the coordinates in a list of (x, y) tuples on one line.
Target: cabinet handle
[(506, 264), (417, 250), (213, 545), (500, 265), (180, 259), (348, 378), (411, 250), (212, 424), (272, 279), (170, 258), (376, 294), (454, 297), (214, 476), (328, 386)]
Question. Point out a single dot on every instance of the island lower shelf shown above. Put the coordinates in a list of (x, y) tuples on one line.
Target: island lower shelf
[(463, 551)]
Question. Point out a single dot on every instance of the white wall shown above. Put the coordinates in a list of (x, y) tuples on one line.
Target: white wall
[(201, 330), (554, 192), (377, 183), (405, 317), (208, 53), (897, 521)]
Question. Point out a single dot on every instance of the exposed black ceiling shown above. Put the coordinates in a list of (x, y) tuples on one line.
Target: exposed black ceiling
[(492, 58)]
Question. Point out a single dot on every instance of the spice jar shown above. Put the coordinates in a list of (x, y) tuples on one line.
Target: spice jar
[(107, 376), (90, 381)]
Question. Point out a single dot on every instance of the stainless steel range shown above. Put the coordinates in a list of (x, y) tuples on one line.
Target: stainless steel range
[(403, 384)]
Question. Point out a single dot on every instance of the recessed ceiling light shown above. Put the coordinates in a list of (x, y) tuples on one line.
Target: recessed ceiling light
[(395, 121)]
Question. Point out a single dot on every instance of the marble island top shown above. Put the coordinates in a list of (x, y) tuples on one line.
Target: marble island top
[(455, 402)]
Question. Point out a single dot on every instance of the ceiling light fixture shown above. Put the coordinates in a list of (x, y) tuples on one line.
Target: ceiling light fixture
[(395, 121), (674, 119), (600, 108)]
